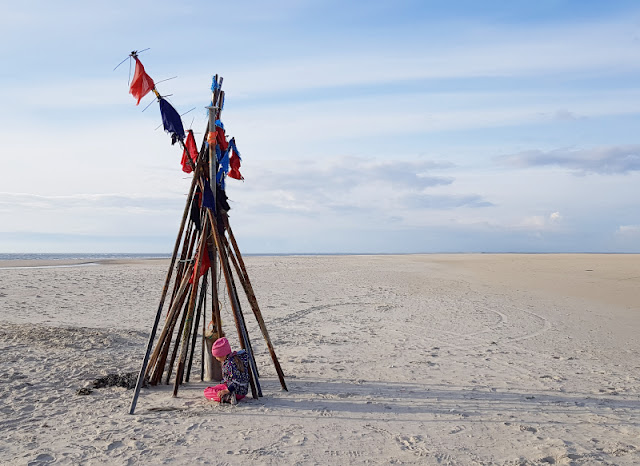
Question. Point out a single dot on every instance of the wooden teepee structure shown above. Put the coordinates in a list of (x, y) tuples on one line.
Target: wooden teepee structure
[(205, 256)]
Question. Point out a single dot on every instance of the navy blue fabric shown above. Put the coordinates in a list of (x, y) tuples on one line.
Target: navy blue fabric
[(171, 121), (220, 178), (207, 199)]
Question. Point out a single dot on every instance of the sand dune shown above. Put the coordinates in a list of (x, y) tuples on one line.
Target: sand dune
[(420, 359)]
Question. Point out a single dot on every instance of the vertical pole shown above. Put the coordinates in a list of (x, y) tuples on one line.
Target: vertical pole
[(233, 298), (165, 289), (251, 297), (189, 315), (176, 344), (203, 294)]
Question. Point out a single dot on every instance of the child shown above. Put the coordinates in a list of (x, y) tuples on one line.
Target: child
[(235, 374)]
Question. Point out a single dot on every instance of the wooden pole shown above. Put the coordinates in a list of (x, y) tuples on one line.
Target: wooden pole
[(168, 328), (235, 305), (203, 294), (251, 297), (204, 330), (165, 289), (165, 345), (235, 291), (213, 369), (183, 258), (176, 344), (189, 316)]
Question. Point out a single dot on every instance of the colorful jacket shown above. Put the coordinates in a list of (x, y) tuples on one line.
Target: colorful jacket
[(235, 372)]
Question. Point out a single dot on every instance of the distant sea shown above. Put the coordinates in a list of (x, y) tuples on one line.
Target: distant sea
[(80, 256)]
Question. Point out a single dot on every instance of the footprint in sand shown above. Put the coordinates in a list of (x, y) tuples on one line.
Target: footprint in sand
[(114, 445), (414, 444), (323, 412), (456, 430), (41, 459)]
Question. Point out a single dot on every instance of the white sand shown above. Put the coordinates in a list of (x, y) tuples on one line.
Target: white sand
[(437, 359)]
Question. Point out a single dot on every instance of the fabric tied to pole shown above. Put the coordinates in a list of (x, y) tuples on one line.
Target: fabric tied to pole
[(189, 154), (171, 121), (220, 178), (220, 137), (224, 161), (214, 84), (234, 161), (142, 83), (208, 200), (205, 263), (195, 208), (222, 200)]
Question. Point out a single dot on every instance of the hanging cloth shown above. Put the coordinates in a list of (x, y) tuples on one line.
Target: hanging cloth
[(190, 152), (220, 137), (171, 121), (223, 159), (195, 208), (234, 161), (141, 84), (220, 178), (222, 199), (205, 263), (208, 200)]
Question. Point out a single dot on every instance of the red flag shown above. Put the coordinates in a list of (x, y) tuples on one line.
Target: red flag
[(141, 84), (222, 140), (204, 265), (234, 163), (190, 152)]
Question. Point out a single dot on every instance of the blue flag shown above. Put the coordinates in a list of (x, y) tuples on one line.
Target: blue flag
[(171, 121)]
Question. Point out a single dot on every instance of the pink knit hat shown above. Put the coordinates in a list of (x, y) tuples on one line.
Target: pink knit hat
[(221, 348)]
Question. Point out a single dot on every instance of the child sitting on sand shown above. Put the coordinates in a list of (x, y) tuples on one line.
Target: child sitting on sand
[(235, 374)]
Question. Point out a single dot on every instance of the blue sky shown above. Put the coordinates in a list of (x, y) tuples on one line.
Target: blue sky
[(379, 126)]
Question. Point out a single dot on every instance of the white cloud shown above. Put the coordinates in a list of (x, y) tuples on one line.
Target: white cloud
[(629, 231), (540, 223)]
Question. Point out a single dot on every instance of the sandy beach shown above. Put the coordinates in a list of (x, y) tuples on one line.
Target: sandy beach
[(465, 359)]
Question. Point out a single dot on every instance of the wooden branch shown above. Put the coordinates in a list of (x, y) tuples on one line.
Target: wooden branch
[(251, 297), (235, 305), (189, 315), (176, 344), (165, 289), (167, 327), (203, 294)]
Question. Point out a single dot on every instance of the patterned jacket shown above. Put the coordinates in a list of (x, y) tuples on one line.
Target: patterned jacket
[(235, 372)]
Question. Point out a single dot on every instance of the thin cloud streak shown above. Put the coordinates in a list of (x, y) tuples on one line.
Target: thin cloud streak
[(607, 160)]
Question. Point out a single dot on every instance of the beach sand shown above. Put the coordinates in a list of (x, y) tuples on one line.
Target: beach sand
[(418, 359)]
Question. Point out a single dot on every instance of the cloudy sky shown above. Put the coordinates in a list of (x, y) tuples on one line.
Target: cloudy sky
[(365, 126)]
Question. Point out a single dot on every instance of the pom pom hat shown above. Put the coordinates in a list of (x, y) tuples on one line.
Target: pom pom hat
[(221, 348)]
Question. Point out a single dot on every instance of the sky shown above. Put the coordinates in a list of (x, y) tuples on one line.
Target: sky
[(364, 127)]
